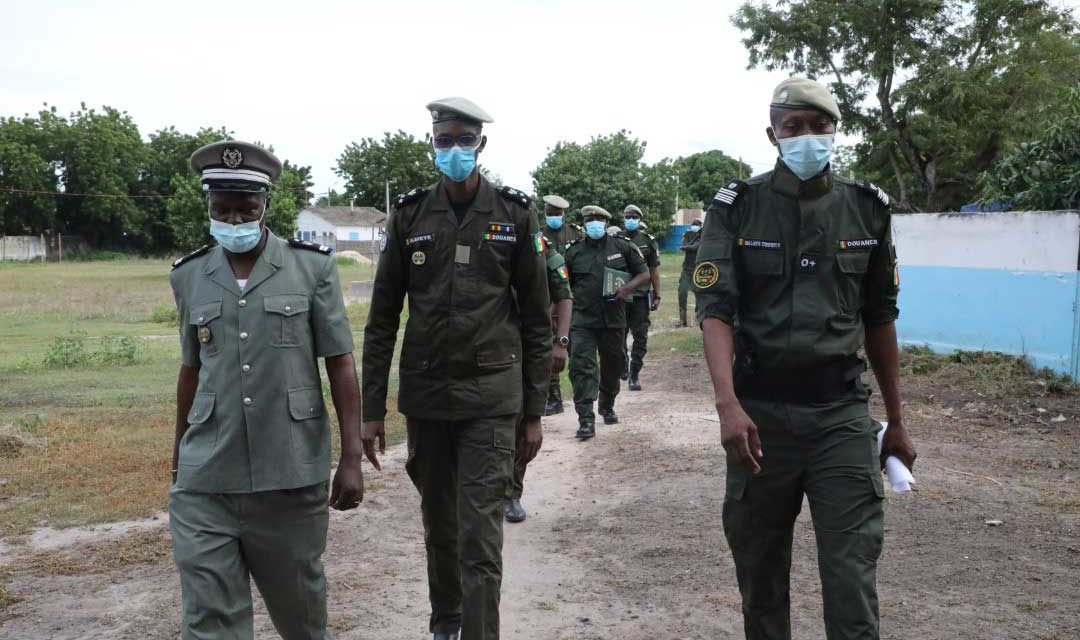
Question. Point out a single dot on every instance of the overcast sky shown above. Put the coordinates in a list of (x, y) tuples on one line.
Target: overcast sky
[(311, 76)]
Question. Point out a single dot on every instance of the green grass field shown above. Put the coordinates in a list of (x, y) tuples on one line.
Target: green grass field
[(88, 364)]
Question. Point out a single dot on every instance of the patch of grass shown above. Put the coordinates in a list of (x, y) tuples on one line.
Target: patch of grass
[(688, 341), (1060, 504), (72, 351), (164, 315), (144, 547), (987, 372), (1034, 606), (102, 255)]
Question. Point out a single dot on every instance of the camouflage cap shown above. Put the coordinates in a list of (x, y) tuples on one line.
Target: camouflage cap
[(457, 108), (593, 210), (803, 93), (557, 202), (233, 165), (631, 208)]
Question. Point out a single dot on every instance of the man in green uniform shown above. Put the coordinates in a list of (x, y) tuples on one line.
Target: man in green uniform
[(558, 281), (690, 242), (796, 271), (476, 357), (251, 456), (598, 322), (559, 233), (646, 298)]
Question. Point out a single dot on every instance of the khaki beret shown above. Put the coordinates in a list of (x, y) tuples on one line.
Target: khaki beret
[(457, 108), (557, 202), (593, 210), (803, 93), (631, 208), (232, 165)]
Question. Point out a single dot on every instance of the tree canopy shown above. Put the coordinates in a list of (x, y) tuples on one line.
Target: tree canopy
[(399, 158), (701, 174), (936, 88)]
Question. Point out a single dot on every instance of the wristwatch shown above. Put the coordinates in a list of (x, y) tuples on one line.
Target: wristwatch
[(562, 341)]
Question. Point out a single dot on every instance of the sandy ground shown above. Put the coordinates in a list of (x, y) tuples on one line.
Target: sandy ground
[(624, 540)]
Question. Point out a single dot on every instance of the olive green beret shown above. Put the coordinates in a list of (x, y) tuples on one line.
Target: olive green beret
[(457, 108), (803, 93), (232, 165), (593, 210), (557, 202), (631, 208)]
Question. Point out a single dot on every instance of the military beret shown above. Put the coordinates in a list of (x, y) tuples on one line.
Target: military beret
[(462, 109), (631, 208), (803, 93), (557, 202), (232, 165), (593, 210)]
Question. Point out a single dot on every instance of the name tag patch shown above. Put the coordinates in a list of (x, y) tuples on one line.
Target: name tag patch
[(865, 243), (614, 256), (427, 237), (760, 244), (500, 232)]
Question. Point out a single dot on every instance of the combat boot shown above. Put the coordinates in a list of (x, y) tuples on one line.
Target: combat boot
[(513, 511), (446, 636), (585, 430), (609, 415), (554, 402), (635, 384)]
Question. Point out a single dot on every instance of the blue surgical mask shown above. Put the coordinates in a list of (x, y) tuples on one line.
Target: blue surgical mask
[(806, 155), (595, 229), (631, 224), (695, 228), (555, 222), (456, 163), (237, 238)]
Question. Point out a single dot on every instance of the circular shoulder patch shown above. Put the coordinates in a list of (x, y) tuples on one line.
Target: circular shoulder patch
[(706, 275), (419, 258)]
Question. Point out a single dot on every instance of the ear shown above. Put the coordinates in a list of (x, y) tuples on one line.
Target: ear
[(772, 136), (483, 143)]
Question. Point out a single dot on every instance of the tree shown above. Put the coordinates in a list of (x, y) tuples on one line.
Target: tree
[(399, 158), (937, 88), (290, 194), (1043, 173), (26, 165), (608, 171), (702, 174)]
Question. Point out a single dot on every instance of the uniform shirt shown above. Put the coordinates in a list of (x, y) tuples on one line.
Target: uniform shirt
[(586, 260), (479, 331), (258, 422), (646, 244), (562, 237), (798, 268), (690, 242)]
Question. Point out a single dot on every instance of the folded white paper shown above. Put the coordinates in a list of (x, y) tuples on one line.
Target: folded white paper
[(900, 478)]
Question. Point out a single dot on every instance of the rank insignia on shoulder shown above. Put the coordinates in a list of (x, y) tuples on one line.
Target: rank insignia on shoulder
[(728, 194), (411, 196), (191, 256), (514, 195), (878, 192), (310, 246)]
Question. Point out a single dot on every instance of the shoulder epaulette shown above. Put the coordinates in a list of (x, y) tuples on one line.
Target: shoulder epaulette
[(411, 196), (573, 242), (577, 227), (191, 256), (514, 195), (650, 236), (877, 191), (310, 246), (728, 194)]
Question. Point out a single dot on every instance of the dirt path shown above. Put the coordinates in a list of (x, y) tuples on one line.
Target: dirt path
[(624, 539)]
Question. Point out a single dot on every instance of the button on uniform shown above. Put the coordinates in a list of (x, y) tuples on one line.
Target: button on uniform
[(247, 401), (242, 303), (243, 335), (246, 368)]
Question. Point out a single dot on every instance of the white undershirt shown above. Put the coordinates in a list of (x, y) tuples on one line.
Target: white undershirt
[(241, 283)]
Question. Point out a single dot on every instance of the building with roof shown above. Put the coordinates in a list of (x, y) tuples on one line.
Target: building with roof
[(343, 228)]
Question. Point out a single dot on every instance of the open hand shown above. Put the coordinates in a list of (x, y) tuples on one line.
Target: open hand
[(739, 435)]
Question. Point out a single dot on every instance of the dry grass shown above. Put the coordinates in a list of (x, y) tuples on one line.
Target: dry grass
[(144, 547)]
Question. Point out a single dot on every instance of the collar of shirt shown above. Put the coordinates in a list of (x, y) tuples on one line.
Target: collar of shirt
[(484, 202), (787, 183)]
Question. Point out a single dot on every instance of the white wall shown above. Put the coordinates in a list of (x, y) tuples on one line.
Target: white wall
[(366, 234), (308, 221), (21, 248)]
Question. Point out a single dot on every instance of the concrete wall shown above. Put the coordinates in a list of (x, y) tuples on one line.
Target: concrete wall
[(21, 248), (995, 281)]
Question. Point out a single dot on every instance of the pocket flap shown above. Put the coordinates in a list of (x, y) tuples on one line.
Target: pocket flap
[(496, 357), (763, 261), (716, 250), (202, 408), (854, 262), (286, 305), (204, 313), (305, 403)]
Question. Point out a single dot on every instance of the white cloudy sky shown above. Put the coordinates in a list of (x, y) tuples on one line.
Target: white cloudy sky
[(311, 76)]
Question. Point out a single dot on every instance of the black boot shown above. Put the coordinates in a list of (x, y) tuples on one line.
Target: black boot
[(513, 511), (635, 384), (446, 636), (609, 415), (554, 402), (585, 430)]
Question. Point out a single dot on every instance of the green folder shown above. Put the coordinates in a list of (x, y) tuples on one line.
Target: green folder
[(613, 279)]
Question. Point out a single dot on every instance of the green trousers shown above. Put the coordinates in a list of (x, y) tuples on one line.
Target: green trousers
[(221, 541), (462, 470), (826, 452), (637, 326), (591, 381), (686, 284)]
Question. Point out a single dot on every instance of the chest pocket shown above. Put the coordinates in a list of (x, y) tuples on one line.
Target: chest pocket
[(852, 267), (287, 319), (206, 321), (763, 262)]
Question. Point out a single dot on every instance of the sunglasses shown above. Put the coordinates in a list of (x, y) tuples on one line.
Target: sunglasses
[(465, 141)]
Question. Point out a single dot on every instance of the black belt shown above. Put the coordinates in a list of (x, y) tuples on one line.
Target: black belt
[(821, 383)]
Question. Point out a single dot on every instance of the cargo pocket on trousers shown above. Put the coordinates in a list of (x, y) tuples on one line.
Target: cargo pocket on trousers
[(504, 439), (201, 436), (872, 532)]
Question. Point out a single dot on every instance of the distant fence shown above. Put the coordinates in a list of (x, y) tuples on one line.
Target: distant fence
[(992, 281), (22, 248)]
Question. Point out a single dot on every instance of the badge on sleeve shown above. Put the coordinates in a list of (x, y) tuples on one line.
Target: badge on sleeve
[(706, 275)]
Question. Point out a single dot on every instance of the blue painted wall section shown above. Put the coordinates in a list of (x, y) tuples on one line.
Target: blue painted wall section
[(1027, 313), (673, 240)]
